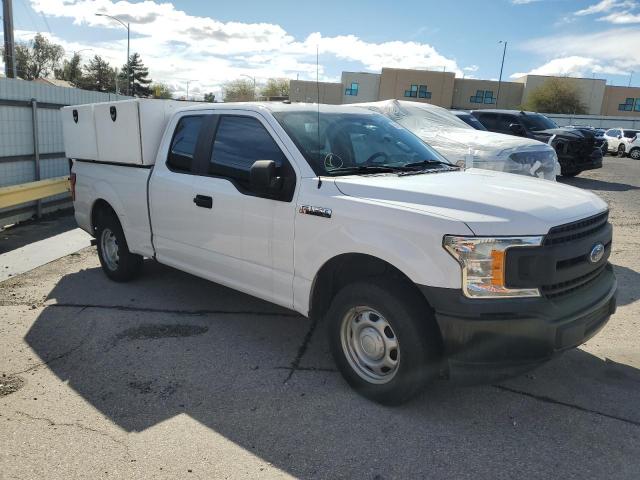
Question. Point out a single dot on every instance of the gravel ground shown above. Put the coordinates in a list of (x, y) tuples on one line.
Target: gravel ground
[(175, 377)]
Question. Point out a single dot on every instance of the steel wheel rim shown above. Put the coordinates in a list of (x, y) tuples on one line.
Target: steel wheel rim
[(370, 345), (109, 244)]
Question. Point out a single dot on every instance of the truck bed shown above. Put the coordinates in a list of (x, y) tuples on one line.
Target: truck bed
[(123, 187)]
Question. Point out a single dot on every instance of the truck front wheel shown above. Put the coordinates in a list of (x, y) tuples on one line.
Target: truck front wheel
[(118, 263), (384, 340)]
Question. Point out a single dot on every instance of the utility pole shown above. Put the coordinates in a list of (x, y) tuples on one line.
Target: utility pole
[(9, 43), (630, 77), (504, 52)]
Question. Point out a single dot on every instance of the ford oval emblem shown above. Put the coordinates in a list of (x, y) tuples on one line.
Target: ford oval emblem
[(597, 252)]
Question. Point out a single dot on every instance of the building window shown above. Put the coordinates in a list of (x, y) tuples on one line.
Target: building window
[(353, 90), (483, 96), (418, 91), (630, 105)]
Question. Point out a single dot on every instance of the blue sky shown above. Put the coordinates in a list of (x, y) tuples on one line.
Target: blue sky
[(213, 42)]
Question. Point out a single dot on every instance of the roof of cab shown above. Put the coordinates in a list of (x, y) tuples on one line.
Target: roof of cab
[(278, 107)]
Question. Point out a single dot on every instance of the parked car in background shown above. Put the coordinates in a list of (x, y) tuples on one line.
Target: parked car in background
[(633, 147), (577, 150), (464, 145), (469, 119), (598, 133), (617, 139)]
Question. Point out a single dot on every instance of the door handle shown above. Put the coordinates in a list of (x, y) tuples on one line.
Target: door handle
[(203, 201)]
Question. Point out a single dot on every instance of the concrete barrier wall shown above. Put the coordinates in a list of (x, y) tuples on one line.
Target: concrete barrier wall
[(595, 120), (17, 147)]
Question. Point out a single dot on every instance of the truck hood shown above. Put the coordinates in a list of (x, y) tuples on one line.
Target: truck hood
[(488, 202)]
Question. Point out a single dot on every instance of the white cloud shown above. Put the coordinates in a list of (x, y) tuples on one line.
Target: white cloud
[(176, 45), (471, 68), (605, 6), (523, 2), (621, 18), (614, 11), (583, 55)]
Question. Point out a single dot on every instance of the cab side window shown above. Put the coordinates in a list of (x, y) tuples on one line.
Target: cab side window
[(183, 144), (241, 141)]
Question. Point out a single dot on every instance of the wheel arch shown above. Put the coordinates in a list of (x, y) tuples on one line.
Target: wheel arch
[(347, 268)]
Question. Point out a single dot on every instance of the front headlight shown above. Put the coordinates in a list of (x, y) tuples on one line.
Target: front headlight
[(482, 260)]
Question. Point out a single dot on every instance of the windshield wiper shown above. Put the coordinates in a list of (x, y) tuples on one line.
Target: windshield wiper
[(365, 169), (426, 163)]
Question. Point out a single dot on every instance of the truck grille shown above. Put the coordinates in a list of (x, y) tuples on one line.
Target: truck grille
[(562, 264), (576, 230)]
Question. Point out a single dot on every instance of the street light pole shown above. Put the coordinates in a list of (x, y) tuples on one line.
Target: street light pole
[(504, 52), (127, 26), (630, 77)]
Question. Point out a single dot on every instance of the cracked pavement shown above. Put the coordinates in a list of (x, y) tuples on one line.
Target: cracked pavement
[(172, 376)]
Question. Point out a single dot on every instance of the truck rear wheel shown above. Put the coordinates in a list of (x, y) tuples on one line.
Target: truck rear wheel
[(384, 340), (118, 263)]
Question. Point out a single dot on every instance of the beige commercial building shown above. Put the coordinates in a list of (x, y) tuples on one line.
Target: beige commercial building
[(424, 86), (472, 94), (591, 90), (621, 101), (443, 89), (312, 92), (358, 87)]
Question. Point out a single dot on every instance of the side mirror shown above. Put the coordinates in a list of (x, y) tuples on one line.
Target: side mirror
[(619, 137), (516, 129), (263, 178)]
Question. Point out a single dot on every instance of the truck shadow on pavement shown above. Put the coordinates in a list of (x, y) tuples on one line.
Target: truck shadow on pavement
[(597, 185), (171, 344)]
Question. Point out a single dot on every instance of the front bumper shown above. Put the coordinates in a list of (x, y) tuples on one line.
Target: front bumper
[(488, 340)]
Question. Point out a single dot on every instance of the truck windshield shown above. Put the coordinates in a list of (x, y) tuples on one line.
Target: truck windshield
[(536, 122), (344, 142)]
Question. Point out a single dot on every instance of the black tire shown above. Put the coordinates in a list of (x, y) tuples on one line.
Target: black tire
[(128, 265), (413, 326), (634, 153), (621, 150)]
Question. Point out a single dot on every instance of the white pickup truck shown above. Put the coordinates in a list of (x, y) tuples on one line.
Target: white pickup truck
[(417, 267)]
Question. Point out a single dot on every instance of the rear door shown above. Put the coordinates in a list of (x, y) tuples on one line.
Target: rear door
[(171, 194)]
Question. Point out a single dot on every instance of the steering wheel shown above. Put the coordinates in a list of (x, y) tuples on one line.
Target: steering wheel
[(376, 155)]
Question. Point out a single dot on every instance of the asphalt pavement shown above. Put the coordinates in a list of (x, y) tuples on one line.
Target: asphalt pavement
[(171, 376)]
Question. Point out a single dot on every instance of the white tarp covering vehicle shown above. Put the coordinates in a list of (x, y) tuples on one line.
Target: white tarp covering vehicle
[(462, 144)]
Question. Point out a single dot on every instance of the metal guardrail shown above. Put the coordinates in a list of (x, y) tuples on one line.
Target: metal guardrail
[(28, 192)]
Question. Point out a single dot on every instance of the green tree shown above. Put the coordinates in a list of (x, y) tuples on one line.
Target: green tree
[(276, 87), (209, 97), (37, 58), (239, 91), (98, 75), (160, 90), (139, 77), (71, 71), (556, 95)]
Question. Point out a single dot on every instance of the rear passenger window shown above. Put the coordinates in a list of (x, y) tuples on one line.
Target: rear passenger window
[(504, 121), (183, 145), (240, 141)]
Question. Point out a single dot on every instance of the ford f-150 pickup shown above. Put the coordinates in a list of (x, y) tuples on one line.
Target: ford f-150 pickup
[(416, 267)]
